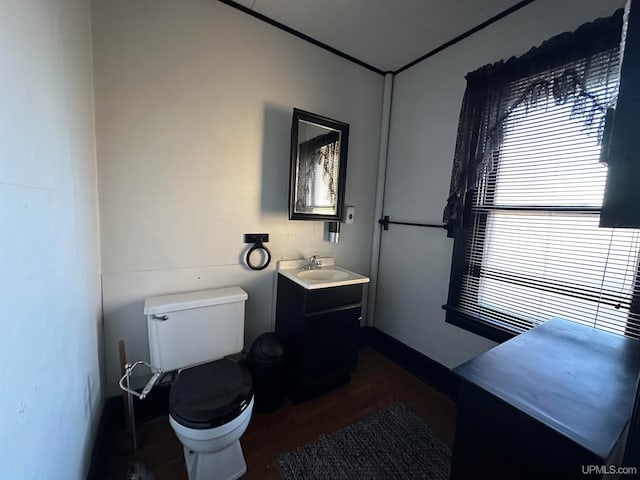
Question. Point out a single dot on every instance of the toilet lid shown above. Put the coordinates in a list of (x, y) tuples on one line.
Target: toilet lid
[(211, 394)]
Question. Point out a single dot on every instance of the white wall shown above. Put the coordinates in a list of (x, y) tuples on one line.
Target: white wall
[(193, 113), (49, 254), (415, 262)]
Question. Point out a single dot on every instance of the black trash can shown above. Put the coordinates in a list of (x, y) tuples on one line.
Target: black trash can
[(266, 364)]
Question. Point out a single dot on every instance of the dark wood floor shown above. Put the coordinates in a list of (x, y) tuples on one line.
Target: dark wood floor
[(377, 384)]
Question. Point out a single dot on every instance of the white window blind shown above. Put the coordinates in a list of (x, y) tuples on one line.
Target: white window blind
[(534, 249)]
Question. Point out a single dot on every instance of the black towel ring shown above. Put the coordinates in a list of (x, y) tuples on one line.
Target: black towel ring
[(257, 240)]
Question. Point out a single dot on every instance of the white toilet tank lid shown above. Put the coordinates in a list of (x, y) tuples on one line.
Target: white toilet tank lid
[(185, 301)]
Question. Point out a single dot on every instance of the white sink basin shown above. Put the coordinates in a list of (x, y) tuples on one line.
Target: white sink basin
[(323, 275), (328, 275)]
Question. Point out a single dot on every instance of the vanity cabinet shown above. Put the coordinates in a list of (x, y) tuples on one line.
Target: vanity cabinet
[(319, 330)]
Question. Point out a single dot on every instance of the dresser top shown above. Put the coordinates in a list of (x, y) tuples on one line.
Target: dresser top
[(575, 379)]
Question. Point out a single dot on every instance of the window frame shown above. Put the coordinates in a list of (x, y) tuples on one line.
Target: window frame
[(563, 68), (455, 316), (479, 324)]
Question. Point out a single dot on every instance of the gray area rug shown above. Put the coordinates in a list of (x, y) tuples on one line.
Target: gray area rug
[(391, 444)]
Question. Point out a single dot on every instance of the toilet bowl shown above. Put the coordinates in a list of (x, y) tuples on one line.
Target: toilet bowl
[(210, 406), (211, 399)]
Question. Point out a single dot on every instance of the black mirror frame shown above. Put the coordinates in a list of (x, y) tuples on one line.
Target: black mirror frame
[(342, 170)]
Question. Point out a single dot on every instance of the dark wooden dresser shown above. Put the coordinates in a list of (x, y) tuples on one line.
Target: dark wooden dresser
[(553, 402)]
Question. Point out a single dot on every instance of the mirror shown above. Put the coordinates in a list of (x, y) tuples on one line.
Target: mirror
[(318, 167)]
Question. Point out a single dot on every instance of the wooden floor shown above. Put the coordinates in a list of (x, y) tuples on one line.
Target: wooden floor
[(377, 384)]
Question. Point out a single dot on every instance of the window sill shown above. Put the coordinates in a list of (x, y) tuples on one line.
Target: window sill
[(477, 325)]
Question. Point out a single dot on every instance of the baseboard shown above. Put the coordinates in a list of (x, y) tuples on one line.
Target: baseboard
[(111, 420), (416, 363), (114, 421)]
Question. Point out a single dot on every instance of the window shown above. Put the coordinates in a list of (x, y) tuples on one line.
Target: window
[(531, 247)]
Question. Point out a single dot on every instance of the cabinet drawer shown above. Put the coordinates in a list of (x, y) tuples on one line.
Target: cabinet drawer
[(324, 299)]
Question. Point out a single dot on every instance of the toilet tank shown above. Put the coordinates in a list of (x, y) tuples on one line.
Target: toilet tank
[(195, 327)]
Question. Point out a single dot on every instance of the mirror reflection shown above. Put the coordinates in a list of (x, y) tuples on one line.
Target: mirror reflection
[(318, 167)]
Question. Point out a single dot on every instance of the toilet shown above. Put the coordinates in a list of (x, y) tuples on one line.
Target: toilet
[(211, 399)]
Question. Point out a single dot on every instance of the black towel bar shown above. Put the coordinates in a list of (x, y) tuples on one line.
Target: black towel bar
[(385, 222)]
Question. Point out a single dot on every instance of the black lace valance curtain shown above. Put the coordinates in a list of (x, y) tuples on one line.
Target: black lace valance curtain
[(563, 69)]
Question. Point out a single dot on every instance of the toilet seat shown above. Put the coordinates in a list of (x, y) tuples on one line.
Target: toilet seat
[(210, 395)]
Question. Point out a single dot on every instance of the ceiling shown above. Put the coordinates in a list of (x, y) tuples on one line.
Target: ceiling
[(385, 34)]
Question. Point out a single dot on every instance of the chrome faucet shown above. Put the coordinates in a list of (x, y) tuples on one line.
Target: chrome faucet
[(313, 264)]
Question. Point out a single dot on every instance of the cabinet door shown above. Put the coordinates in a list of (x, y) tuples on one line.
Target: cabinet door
[(330, 342)]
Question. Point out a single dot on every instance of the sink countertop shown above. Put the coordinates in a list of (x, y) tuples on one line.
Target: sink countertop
[(291, 269)]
